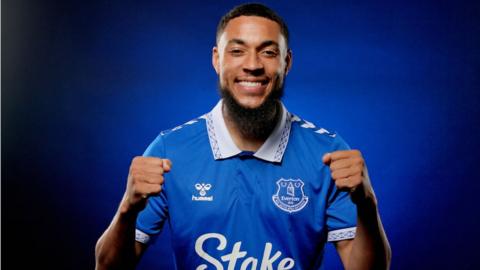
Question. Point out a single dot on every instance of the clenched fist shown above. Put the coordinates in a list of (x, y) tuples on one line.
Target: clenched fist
[(145, 179), (349, 172)]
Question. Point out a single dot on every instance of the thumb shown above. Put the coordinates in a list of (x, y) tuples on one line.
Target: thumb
[(327, 158), (167, 165)]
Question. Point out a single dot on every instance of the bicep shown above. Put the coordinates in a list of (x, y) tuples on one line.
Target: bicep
[(344, 248)]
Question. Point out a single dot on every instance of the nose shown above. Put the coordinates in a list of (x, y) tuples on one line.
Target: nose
[(253, 65)]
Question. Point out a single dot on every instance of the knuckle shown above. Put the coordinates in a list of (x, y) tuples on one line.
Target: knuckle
[(356, 152), (357, 162), (137, 159), (134, 166)]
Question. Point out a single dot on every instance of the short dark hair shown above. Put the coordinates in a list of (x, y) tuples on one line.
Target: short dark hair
[(252, 9)]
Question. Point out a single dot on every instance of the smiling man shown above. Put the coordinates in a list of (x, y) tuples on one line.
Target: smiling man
[(251, 59), (248, 185)]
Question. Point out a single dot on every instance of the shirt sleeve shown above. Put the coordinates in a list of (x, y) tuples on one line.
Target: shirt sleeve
[(341, 211), (151, 220)]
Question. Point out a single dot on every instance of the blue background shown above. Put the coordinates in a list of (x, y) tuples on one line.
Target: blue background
[(86, 86)]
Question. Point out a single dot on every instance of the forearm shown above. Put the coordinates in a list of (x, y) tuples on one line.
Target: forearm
[(116, 247), (370, 248)]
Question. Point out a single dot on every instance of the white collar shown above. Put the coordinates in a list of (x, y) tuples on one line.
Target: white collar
[(223, 146)]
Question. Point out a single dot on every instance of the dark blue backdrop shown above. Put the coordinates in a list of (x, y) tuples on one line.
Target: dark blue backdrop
[(87, 86)]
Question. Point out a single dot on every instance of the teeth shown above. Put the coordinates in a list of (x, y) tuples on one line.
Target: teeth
[(250, 84)]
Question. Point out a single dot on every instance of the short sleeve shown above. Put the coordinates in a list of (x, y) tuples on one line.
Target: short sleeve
[(151, 220), (341, 211)]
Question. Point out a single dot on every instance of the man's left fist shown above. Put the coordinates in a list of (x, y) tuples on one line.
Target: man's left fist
[(349, 172)]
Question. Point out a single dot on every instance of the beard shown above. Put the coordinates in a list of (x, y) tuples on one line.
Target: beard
[(254, 123)]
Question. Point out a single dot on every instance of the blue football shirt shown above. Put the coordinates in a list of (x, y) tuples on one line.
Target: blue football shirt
[(227, 209)]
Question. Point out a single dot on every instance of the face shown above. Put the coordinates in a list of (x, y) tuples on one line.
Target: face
[(251, 59)]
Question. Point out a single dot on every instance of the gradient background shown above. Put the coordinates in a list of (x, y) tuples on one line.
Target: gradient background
[(88, 85)]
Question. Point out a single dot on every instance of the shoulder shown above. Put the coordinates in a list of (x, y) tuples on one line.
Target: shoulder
[(315, 135), (189, 129), (183, 135)]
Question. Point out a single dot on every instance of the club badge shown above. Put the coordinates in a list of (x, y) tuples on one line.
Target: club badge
[(290, 196)]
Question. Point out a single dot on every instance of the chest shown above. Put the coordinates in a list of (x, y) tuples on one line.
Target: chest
[(259, 195)]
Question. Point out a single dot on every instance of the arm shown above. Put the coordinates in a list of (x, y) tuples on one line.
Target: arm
[(370, 248), (117, 248)]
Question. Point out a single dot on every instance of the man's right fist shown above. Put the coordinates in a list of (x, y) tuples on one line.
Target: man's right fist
[(145, 179)]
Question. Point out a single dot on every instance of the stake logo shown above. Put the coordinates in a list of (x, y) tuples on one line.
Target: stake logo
[(269, 260)]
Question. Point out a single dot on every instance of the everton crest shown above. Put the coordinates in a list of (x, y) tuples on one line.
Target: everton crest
[(290, 197)]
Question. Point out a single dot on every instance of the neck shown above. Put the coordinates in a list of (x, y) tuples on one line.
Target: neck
[(250, 142)]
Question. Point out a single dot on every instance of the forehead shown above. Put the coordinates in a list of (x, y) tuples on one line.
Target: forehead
[(252, 29)]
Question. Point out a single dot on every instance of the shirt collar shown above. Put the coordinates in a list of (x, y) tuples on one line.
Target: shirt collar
[(223, 146)]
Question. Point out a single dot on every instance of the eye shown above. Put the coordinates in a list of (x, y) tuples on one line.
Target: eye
[(236, 52), (270, 53)]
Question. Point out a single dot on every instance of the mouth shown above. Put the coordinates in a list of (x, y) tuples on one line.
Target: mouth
[(252, 85)]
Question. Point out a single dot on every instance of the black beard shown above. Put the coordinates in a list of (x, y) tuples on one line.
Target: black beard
[(255, 123)]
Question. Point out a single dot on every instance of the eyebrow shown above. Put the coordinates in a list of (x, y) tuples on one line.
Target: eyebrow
[(264, 44)]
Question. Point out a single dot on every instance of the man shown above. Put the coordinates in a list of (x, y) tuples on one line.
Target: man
[(248, 185)]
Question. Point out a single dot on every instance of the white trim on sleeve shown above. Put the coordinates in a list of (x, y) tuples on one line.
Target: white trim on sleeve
[(142, 237), (342, 234)]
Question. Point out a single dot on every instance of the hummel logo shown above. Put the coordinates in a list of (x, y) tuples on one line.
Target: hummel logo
[(202, 190)]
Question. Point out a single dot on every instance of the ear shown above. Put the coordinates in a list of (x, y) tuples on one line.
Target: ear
[(288, 61), (216, 59)]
